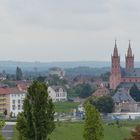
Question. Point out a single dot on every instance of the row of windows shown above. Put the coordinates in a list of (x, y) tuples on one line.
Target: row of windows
[(60, 95), (19, 101), (19, 107), (125, 80), (17, 95)]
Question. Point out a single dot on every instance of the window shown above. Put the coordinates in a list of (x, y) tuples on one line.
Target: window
[(13, 107), (18, 107), (18, 101), (13, 101)]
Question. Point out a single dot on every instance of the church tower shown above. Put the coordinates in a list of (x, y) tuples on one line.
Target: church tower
[(129, 58), (115, 77)]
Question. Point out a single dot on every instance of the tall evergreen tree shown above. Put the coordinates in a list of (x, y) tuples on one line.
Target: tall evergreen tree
[(93, 129), (36, 122), (19, 74)]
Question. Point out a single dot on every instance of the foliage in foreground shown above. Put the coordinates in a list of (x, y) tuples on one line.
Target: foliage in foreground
[(36, 122), (93, 129), (135, 134), (2, 124)]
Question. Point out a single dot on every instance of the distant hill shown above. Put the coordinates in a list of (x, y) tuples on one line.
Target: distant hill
[(10, 66), (86, 71)]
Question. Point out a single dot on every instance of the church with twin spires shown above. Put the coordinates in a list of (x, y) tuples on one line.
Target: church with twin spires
[(123, 76)]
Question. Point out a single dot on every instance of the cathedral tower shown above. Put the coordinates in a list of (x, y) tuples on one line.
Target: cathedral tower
[(115, 77), (129, 58)]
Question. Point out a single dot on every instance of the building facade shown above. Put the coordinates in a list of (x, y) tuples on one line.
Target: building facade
[(16, 103), (123, 102), (11, 101), (127, 75), (57, 93)]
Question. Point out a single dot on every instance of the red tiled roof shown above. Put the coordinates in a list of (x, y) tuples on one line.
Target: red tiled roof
[(101, 92), (22, 87), (9, 91)]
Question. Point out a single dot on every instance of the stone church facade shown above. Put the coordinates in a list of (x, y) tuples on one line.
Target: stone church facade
[(123, 76)]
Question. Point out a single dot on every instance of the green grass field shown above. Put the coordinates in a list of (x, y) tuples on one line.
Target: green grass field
[(74, 131), (65, 107)]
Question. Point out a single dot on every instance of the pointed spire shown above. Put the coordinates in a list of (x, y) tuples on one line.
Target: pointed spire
[(115, 50), (129, 52)]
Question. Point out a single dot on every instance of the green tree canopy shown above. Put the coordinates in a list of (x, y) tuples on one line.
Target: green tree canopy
[(135, 93), (86, 91), (19, 74), (93, 129), (81, 90), (104, 104), (56, 80), (36, 121)]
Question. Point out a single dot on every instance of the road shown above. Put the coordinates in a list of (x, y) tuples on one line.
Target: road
[(8, 130)]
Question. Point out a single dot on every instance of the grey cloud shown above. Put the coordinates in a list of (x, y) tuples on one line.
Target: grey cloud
[(66, 29)]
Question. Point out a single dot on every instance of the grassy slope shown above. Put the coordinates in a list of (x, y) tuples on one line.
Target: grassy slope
[(74, 131)]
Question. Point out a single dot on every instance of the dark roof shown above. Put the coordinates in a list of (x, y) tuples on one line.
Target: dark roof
[(128, 85), (10, 91), (57, 88), (130, 73), (122, 95)]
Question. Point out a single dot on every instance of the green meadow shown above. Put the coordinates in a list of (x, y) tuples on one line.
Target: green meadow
[(74, 131), (65, 107)]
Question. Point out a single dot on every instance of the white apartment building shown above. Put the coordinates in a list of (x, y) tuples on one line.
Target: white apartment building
[(11, 101), (16, 103), (57, 93)]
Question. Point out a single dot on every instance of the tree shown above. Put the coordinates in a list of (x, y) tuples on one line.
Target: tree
[(93, 129), (41, 78), (2, 124), (86, 91), (56, 80), (105, 76), (36, 122), (135, 134), (18, 74), (82, 90), (104, 104), (135, 93)]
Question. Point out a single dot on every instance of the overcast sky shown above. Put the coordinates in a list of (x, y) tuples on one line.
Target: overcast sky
[(68, 30)]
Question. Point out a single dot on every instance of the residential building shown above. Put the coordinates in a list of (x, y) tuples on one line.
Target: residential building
[(124, 102), (57, 93), (16, 102), (11, 100)]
